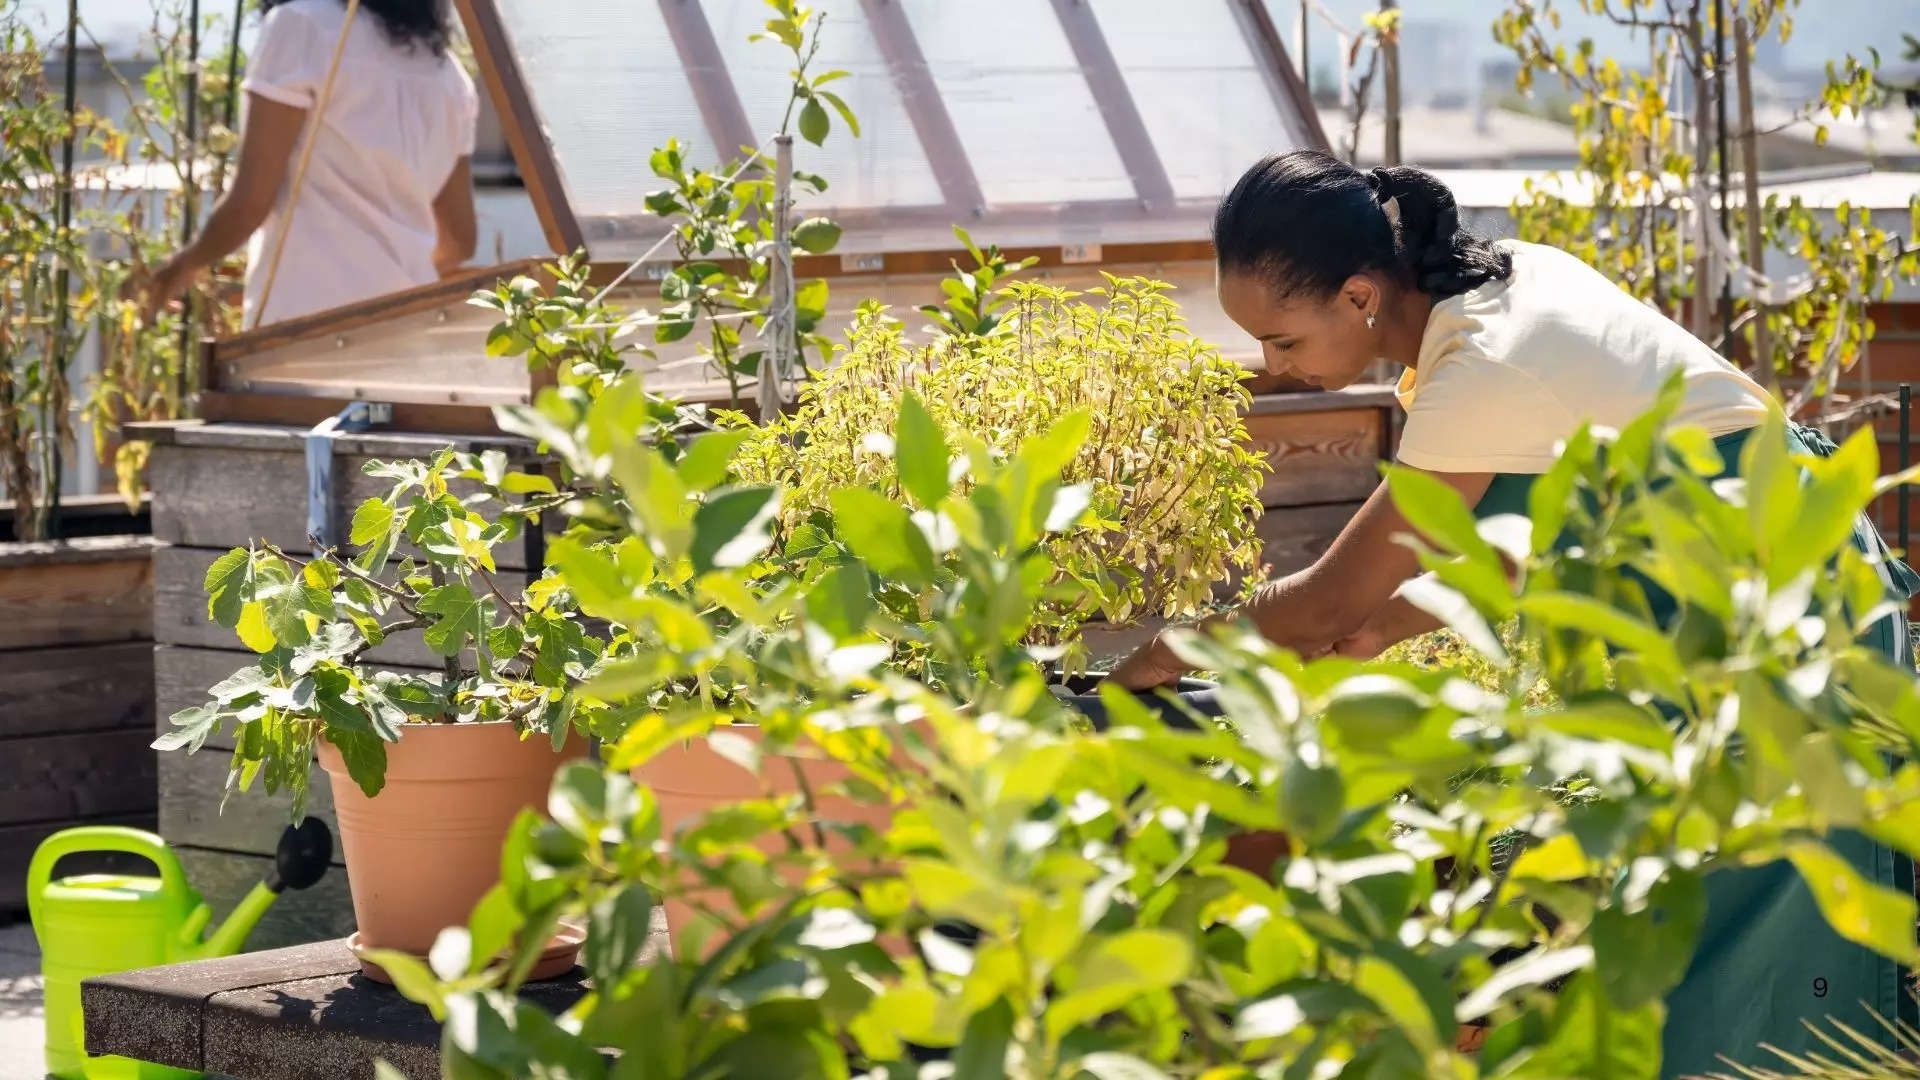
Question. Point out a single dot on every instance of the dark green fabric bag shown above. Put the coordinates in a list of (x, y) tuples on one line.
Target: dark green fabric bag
[(1768, 964)]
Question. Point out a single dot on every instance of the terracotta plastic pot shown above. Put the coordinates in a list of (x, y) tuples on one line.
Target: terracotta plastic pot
[(690, 778), (422, 853)]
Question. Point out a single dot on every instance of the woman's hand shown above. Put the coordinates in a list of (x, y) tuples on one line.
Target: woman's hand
[(1150, 666), (1363, 644), (159, 288)]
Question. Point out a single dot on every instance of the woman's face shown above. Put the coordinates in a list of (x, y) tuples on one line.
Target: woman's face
[(1325, 342)]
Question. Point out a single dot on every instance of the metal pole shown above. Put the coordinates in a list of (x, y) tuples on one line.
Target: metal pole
[(1306, 36), (189, 192), (1391, 50), (233, 89), (190, 206), (62, 355), (1906, 442), (1720, 125), (1762, 356)]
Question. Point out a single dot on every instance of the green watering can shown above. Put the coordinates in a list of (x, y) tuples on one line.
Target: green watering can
[(96, 924)]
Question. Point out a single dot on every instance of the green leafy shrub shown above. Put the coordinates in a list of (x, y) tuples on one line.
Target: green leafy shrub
[(1173, 489), (1111, 935), (975, 300), (68, 243)]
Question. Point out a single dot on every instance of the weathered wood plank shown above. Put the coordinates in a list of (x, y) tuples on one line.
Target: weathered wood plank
[(1317, 457), (299, 916), (80, 549), (1293, 538), (88, 516), (379, 443), (18, 842), (182, 675), (76, 688), (226, 497), (105, 596), (1360, 396), (191, 789), (180, 609), (58, 778), (265, 400)]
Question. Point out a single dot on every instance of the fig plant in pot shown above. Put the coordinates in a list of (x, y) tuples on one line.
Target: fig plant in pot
[(427, 769)]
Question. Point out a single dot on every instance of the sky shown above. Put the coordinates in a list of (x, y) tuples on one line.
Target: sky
[(1824, 29)]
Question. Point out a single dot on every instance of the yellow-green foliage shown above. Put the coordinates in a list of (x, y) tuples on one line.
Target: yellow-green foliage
[(1444, 649), (1174, 490)]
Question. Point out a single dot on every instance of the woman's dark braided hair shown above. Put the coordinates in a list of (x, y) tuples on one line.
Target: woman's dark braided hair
[(412, 24), (1307, 221)]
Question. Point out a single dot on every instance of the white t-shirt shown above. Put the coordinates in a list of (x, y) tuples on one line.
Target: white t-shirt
[(1511, 368), (398, 121)]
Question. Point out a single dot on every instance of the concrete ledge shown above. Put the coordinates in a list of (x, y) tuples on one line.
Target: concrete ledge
[(302, 1013)]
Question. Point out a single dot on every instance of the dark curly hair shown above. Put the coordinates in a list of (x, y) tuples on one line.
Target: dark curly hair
[(1308, 221), (411, 24)]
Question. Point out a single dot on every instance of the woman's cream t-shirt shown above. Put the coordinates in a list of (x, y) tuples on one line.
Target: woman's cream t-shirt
[(398, 122), (1510, 369)]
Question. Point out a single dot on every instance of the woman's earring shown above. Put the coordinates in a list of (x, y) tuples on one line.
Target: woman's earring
[(1369, 320)]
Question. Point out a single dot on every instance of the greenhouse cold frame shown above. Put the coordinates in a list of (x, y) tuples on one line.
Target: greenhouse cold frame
[(1093, 134)]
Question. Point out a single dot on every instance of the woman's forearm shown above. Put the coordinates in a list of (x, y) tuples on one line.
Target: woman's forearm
[(232, 222), (1326, 604), (1395, 622), (1297, 612), (1303, 612)]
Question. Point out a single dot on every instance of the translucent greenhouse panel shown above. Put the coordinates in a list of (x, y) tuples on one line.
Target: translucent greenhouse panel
[(885, 166), (1018, 100), (1197, 82), (609, 87)]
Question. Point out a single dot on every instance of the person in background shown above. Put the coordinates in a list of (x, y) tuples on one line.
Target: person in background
[(387, 202), (1505, 348)]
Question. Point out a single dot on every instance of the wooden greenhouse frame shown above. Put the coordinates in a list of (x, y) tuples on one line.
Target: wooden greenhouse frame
[(420, 349)]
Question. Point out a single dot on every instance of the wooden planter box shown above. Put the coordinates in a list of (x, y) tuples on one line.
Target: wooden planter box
[(76, 693)]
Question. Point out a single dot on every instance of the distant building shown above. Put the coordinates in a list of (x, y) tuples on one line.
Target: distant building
[(1470, 136)]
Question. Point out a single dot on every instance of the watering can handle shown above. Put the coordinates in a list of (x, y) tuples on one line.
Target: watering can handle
[(173, 880)]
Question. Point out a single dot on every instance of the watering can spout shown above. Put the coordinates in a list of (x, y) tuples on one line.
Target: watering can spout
[(301, 860), (231, 935)]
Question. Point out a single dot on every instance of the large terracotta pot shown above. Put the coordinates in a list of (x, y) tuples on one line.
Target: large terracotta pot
[(422, 853), (690, 778)]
